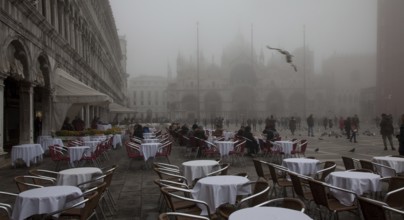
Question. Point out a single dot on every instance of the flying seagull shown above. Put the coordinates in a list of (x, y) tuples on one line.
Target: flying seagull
[(316, 150), (353, 150), (288, 56)]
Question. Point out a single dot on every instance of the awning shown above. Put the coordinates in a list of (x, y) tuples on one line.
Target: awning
[(71, 90), (117, 108)]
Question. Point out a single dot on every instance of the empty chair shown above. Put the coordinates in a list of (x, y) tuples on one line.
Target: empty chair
[(289, 203), (304, 194), (259, 169), (6, 208), (44, 173), (349, 163), (30, 182), (259, 195), (59, 154), (279, 181), (367, 164), (372, 209), (322, 198), (222, 171), (329, 167)]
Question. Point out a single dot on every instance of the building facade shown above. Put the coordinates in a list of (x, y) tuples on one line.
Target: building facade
[(390, 57), (148, 97), (245, 85), (58, 58)]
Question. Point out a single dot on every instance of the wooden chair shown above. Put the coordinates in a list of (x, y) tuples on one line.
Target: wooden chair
[(372, 209), (367, 164), (259, 169), (349, 163), (194, 204), (322, 197), (31, 182), (289, 203), (329, 167), (304, 194), (279, 181), (259, 195)]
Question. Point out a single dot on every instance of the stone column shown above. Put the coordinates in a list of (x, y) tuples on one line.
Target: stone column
[(46, 113), (1, 114), (26, 113), (87, 118)]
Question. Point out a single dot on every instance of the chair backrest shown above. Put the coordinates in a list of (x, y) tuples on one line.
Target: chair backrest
[(329, 167), (319, 192), (183, 216), (43, 173), (289, 203), (371, 209), (258, 168), (30, 182), (394, 198), (349, 163), (169, 196), (259, 195), (222, 171), (57, 152), (383, 170), (367, 164), (303, 146), (395, 182), (297, 185)]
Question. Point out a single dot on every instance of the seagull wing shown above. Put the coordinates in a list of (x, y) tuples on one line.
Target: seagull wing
[(294, 67)]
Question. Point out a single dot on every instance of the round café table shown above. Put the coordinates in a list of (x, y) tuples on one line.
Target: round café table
[(149, 150), (198, 168), (75, 176), (26, 152), (397, 163), (304, 166), (358, 182), (44, 200), (285, 146), (264, 213), (76, 153), (224, 147), (217, 190)]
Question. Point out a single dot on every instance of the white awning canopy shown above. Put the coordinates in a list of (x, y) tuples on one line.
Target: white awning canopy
[(71, 90), (117, 108)]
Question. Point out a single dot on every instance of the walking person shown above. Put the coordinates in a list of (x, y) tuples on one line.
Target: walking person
[(354, 130), (310, 125), (347, 124), (292, 125), (387, 130)]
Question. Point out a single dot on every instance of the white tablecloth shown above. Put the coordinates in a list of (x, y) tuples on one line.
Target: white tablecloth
[(149, 149), (217, 190), (265, 213), (228, 134), (75, 176), (116, 140), (224, 147), (43, 200), (149, 135), (42, 137), (358, 182), (75, 153), (302, 166), (91, 144), (286, 146), (154, 140), (46, 142), (86, 138), (396, 163), (26, 152), (98, 138), (103, 127), (198, 168)]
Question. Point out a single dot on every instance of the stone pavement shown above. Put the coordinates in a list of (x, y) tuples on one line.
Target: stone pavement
[(137, 195)]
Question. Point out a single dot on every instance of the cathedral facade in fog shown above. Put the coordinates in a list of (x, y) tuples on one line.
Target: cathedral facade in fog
[(245, 85)]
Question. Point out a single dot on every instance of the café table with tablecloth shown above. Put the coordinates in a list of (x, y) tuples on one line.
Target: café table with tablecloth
[(46, 142), (44, 200), (76, 153), (75, 176), (198, 168), (285, 146), (265, 213), (304, 166), (358, 182), (26, 152), (116, 140), (217, 190), (224, 147), (397, 163), (149, 149)]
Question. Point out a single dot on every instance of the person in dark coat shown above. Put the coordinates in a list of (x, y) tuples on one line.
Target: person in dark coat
[(251, 144), (387, 130), (292, 125), (347, 124), (310, 125)]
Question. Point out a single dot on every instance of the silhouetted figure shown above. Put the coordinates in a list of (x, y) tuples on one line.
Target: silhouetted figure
[(288, 56)]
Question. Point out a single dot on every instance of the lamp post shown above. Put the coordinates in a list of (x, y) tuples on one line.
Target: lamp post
[(197, 72)]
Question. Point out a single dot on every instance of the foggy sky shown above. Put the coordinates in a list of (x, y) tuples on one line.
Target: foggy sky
[(157, 30)]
